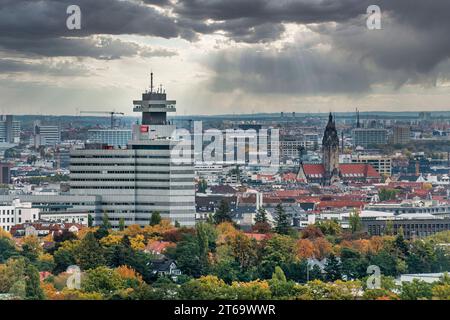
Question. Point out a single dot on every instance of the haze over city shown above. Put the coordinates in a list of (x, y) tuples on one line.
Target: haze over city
[(225, 57)]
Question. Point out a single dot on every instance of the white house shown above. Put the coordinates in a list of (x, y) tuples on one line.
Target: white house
[(17, 212)]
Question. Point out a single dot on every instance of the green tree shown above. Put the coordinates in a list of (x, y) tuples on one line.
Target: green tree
[(222, 213), (355, 221), (11, 272), (155, 218), (389, 227), (280, 287), (261, 223), (329, 227), (90, 221), (282, 221), (205, 288), (33, 290), (387, 194), (333, 268), (65, 256), (278, 251), (31, 248), (121, 224), (103, 280), (421, 257), (354, 265), (401, 246), (415, 290), (103, 231), (89, 253), (261, 216), (202, 186), (189, 257), (226, 267), (7, 249)]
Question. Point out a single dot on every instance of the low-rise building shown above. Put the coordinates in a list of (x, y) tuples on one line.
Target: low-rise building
[(16, 212)]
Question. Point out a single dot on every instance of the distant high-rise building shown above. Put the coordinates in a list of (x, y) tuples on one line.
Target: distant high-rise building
[(63, 158), (142, 179), (5, 173), (365, 137), (401, 134), (45, 135), (111, 137), (9, 129), (382, 164)]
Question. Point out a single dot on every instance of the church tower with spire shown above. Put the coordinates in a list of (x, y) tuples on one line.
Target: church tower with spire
[(330, 152)]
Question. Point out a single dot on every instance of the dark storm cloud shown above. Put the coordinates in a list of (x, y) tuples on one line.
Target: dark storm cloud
[(39, 27), (67, 68), (290, 71), (47, 18), (261, 20), (100, 47), (413, 47), (414, 41)]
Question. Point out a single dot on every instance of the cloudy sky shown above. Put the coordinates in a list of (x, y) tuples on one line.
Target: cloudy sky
[(225, 56)]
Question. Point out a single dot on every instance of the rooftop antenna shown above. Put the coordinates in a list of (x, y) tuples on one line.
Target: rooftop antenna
[(358, 125), (151, 82)]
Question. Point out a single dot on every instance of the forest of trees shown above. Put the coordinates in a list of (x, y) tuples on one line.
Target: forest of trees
[(219, 261)]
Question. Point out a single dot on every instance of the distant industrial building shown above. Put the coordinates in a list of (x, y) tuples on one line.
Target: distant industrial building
[(412, 225), (365, 137)]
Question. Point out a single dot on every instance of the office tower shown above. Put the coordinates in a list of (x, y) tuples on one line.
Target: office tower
[(367, 137), (9, 129), (112, 137), (401, 134), (382, 164), (142, 179), (45, 135), (5, 173)]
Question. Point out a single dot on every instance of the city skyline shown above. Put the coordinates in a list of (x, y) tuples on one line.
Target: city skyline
[(217, 57)]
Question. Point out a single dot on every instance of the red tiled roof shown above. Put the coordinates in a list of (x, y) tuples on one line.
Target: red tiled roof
[(358, 169), (308, 199), (340, 204), (316, 170), (290, 193), (256, 236), (158, 246), (348, 170), (290, 176)]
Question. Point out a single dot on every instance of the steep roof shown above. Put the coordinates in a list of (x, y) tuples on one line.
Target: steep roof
[(348, 170), (358, 169), (314, 170)]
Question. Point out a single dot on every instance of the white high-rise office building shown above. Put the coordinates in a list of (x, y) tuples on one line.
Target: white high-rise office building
[(9, 129), (142, 179), (45, 135), (112, 137)]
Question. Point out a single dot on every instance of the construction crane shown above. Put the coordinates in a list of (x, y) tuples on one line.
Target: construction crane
[(111, 113)]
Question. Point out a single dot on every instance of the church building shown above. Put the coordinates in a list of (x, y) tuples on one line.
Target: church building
[(330, 171)]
